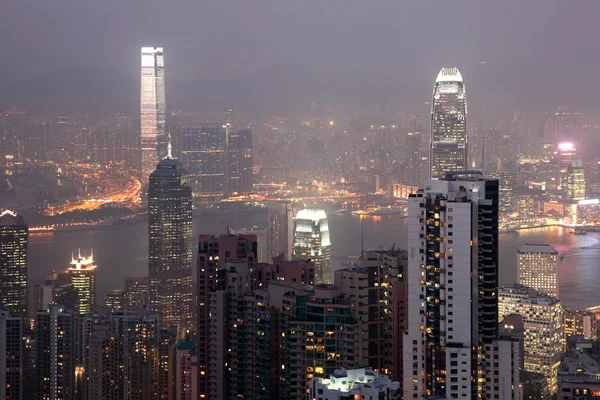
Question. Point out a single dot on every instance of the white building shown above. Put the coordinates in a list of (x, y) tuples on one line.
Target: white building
[(360, 383), (544, 330), (452, 282), (537, 268), (312, 241)]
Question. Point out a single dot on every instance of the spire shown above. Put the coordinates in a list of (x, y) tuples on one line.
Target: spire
[(169, 148)]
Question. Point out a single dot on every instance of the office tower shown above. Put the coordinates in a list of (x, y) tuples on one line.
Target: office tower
[(413, 152), (281, 229), (452, 281), (448, 151), (312, 241), (136, 292), (83, 277), (213, 253), (358, 383), (11, 355), (582, 323), (13, 262), (185, 371), (170, 247), (240, 173), (55, 361), (68, 296), (537, 268), (115, 300), (544, 330), (203, 153), (152, 109), (261, 237)]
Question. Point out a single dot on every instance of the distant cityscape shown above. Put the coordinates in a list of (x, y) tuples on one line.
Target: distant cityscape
[(268, 311)]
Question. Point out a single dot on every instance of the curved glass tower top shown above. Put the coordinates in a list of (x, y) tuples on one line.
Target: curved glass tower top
[(448, 147)]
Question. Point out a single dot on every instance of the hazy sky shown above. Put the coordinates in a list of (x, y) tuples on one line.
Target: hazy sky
[(230, 38)]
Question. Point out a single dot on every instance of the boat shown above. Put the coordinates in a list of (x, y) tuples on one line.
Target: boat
[(561, 257)]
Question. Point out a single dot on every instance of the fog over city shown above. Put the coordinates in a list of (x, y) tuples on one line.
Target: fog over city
[(299, 200)]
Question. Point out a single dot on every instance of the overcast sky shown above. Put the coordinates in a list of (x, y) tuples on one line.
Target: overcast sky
[(229, 38)]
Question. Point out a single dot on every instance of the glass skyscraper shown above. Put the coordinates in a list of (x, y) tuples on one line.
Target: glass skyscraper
[(13, 262), (152, 109), (170, 243), (312, 241), (448, 151)]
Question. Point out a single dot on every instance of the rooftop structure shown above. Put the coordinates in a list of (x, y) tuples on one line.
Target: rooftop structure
[(360, 383)]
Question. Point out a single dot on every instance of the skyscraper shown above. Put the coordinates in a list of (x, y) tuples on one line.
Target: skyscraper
[(240, 161), (448, 151), (537, 268), (170, 246), (55, 361), (413, 152), (312, 241), (204, 155), (152, 109), (11, 356), (83, 277), (13, 262), (213, 253), (281, 229), (452, 283)]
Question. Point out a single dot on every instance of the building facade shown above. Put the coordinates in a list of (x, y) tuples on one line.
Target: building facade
[(582, 323), (11, 356), (170, 243), (14, 234), (281, 229), (204, 155), (240, 164), (312, 241), (452, 283), (448, 146), (82, 272), (537, 268), (152, 109), (544, 332)]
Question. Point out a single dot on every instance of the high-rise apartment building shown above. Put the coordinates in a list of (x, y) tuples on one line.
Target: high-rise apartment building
[(537, 268), (213, 254), (448, 147), (136, 292), (262, 241), (204, 155), (240, 164), (170, 243), (55, 360), (82, 272), (312, 241), (544, 329), (186, 371), (452, 282), (281, 229), (13, 261), (11, 356), (152, 109)]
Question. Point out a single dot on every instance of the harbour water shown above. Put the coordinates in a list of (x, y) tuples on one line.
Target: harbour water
[(122, 251)]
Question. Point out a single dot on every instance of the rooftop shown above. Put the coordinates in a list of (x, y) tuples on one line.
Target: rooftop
[(537, 248), (11, 218), (311, 214), (449, 75)]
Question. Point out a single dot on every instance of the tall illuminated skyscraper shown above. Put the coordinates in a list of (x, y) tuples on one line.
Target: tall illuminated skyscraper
[(312, 241), (448, 151), (537, 265), (152, 109), (170, 246), (13, 262), (82, 272)]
